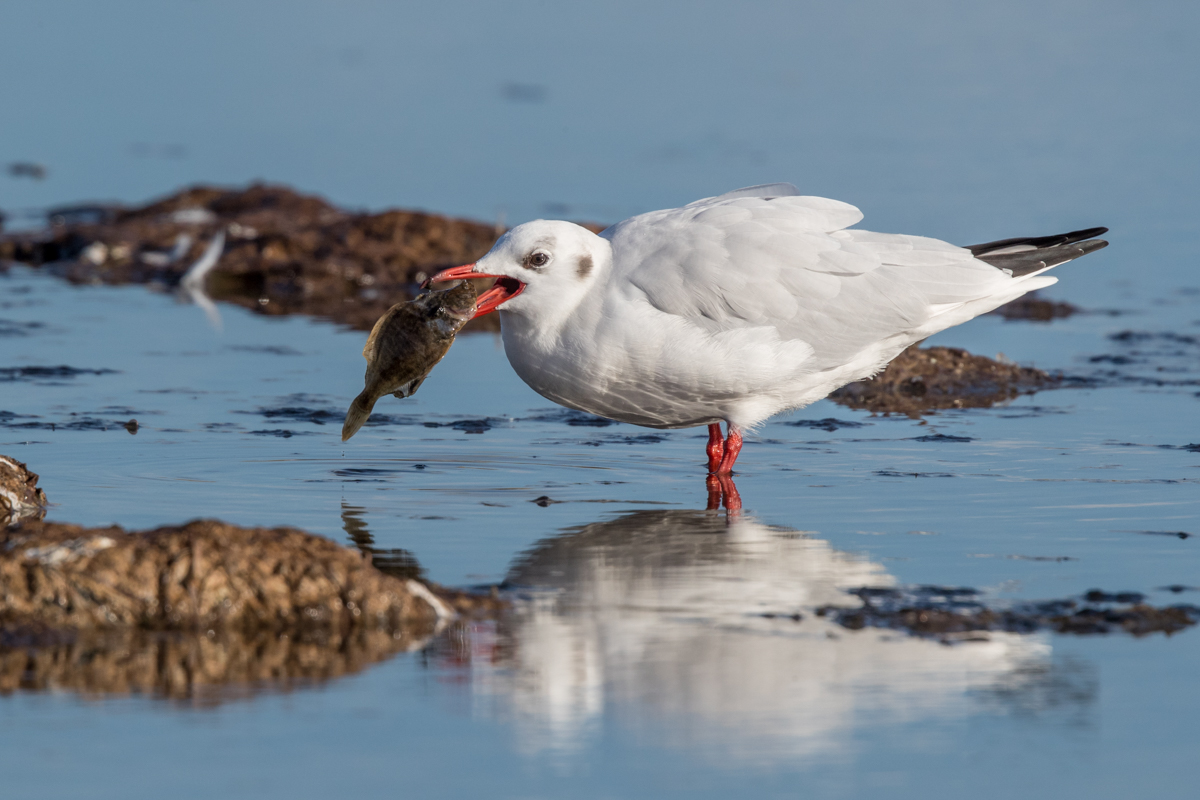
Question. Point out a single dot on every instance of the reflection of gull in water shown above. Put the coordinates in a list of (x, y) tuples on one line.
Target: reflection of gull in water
[(686, 629), (193, 280)]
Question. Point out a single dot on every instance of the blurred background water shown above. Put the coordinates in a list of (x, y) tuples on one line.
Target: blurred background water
[(964, 122)]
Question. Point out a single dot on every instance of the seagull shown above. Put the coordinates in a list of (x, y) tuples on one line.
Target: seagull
[(737, 307)]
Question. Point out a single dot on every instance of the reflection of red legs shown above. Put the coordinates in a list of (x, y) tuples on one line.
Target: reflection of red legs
[(730, 496), (716, 446), (714, 493), (722, 491)]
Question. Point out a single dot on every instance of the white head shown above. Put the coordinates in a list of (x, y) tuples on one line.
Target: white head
[(545, 268)]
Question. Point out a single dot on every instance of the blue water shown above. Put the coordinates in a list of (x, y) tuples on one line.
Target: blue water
[(642, 665)]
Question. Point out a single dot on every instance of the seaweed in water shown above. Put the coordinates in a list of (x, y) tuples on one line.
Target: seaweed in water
[(942, 437), (469, 425), (891, 473), (936, 612), (576, 419), (10, 327), (281, 433), (828, 424), (41, 373)]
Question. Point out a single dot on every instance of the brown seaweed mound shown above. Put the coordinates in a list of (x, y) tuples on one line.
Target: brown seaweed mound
[(205, 575), (285, 252), (20, 497), (1034, 308), (921, 380)]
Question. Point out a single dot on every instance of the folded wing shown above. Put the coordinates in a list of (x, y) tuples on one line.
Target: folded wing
[(787, 263)]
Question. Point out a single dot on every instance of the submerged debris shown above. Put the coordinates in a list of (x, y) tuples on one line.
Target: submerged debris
[(20, 497), (936, 611), (921, 380)]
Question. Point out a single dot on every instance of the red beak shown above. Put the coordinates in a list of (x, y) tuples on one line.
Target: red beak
[(503, 290)]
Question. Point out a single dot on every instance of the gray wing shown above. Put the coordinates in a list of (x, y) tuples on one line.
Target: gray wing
[(787, 263)]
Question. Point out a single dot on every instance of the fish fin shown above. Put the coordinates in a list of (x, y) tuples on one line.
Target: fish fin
[(373, 339), (359, 411), (410, 388)]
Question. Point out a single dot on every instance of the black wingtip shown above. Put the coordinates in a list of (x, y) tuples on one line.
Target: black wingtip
[(1035, 242), (1086, 233)]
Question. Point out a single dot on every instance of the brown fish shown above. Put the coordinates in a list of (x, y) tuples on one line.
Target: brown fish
[(406, 344)]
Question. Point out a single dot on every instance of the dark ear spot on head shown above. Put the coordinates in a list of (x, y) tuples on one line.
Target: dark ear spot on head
[(584, 268)]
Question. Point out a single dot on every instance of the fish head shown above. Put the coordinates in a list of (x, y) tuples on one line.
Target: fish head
[(448, 310), (543, 269)]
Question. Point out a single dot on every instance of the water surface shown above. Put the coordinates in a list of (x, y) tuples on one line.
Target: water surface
[(652, 644)]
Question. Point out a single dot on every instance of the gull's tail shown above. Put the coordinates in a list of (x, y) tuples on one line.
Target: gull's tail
[(359, 411), (1025, 256)]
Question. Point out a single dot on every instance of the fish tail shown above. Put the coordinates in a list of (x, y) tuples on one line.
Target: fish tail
[(359, 411)]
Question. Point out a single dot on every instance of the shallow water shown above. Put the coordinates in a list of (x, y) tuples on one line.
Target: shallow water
[(652, 649)]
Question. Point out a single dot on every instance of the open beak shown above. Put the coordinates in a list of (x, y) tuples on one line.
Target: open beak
[(503, 290)]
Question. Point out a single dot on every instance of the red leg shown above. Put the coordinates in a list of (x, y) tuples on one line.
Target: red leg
[(716, 446), (733, 446)]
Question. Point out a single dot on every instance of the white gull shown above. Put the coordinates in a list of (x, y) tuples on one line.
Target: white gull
[(737, 307)]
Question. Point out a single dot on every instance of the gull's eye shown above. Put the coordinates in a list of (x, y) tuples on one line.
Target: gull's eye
[(537, 259)]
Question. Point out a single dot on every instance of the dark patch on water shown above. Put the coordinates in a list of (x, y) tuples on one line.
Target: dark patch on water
[(481, 425), (366, 474), (1189, 448), (889, 473), (321, 416), (180, 390), (221, 426), (1099, 596), (1173, 534), (317, 416), (10, 327), (640, 438), (1051, 559), (281, 433), (828, 424), (934, 612), (544, 501), (579, 419), (8, 374), (74, 422), (269, 349), (1138, 337), (942, 437), (1028, 412)]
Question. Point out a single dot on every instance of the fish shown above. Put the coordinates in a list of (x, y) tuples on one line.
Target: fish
[(406, 344)]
